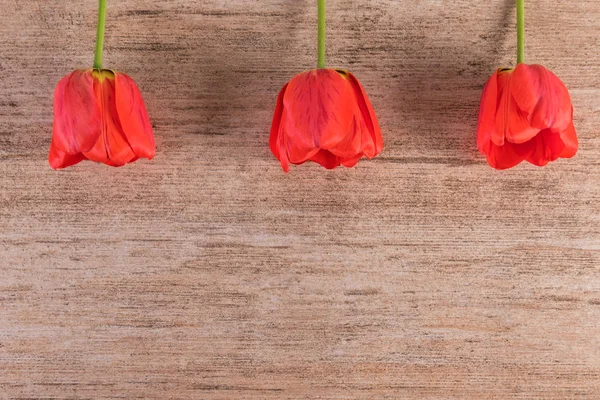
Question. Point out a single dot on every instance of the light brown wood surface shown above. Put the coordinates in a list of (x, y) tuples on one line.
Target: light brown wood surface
[(208, 273)]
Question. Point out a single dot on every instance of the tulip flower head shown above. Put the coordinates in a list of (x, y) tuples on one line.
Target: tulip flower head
[(99, 115), (325, 116), (525, 114)]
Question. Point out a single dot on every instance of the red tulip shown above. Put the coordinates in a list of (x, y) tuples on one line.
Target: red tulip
[(99, 115), (325, 116), (525, 114)]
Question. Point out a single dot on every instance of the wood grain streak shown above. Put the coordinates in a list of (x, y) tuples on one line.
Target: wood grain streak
[(208, 273)]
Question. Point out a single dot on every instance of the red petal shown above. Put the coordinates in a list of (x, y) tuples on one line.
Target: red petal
[(569, 138), (518, 129), (298, 146), (351, 161), (76, 113), (112, 147), (133, 116), (275, 131), (59, 159), (326, 159), (512, 123), (486, 126), (545, 147), (369, 121), (506, 156), (352, 144), (281, 145), (543, 96), (320, 106)]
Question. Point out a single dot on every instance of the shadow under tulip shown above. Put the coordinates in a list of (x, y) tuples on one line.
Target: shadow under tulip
[(224, 82), (438, 79)]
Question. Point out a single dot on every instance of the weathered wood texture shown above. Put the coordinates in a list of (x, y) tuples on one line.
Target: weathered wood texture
[(208, 273)]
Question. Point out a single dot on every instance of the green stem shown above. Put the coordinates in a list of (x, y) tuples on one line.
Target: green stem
[(100, 34), (321, 34), (520, 31)]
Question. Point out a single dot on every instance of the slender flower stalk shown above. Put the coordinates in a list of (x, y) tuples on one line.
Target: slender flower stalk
[(321, 34), (520, 31), (100, 34)]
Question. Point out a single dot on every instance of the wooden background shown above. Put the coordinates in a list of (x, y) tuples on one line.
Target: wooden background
[(208, 273)]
